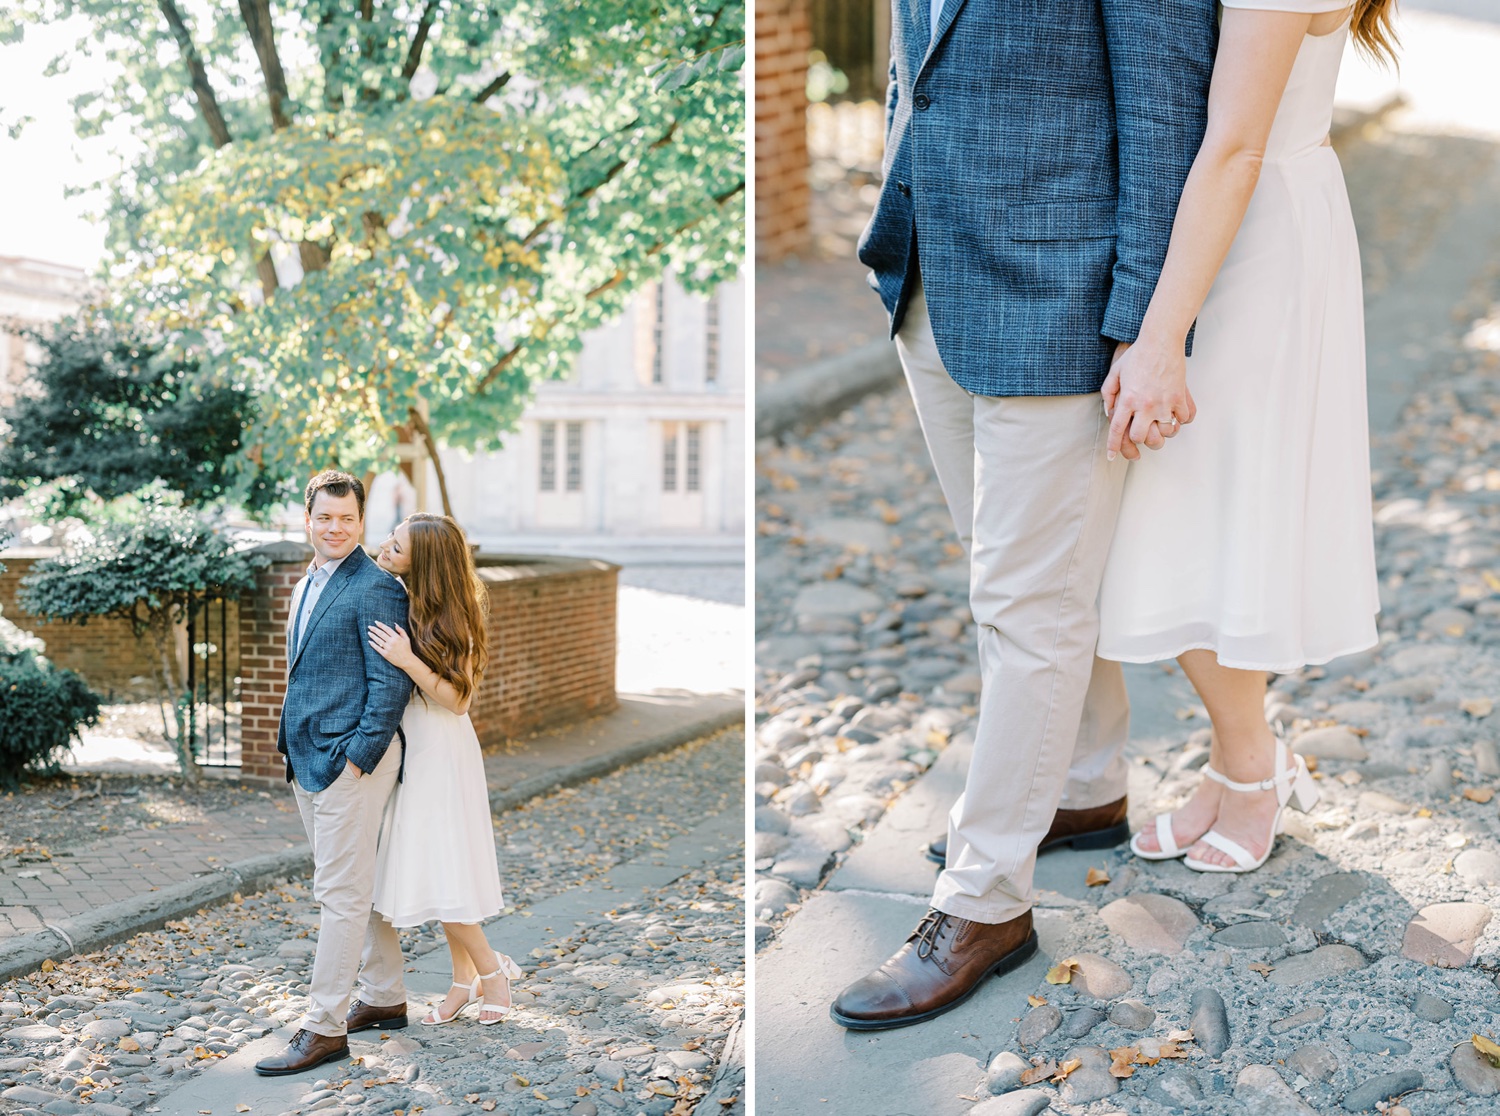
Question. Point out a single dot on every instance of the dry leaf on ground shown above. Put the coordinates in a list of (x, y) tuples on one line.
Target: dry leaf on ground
[(1066, 1068), (1039, 1071), (1488, 1049), (1036, 1001), (1062, 972), (1123, 1063), (1096, 877), (1260, 967), (1477, 707), (1479, 794)]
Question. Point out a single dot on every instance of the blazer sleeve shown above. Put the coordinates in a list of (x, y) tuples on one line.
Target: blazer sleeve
[(1161, 59), (387, 688)]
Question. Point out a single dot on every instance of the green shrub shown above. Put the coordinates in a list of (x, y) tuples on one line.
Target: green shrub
[(42, 709)]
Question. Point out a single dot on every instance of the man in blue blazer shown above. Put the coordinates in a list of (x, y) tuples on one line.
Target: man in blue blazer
[(1035, 154), (341, 716)]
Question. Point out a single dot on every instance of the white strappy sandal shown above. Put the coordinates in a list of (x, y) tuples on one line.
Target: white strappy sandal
[(1166, 842), (510, 971), (435, 1017), (1293, 784)]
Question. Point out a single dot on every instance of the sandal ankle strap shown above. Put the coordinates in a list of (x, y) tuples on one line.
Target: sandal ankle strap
[(1274, 782)]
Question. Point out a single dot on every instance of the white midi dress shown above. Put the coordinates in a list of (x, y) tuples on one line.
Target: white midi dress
[(436, 857), (1250, 533)]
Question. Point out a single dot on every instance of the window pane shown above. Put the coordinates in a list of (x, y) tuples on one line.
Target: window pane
[(669, 457), (694, 437), (547, 465), (575, 456)]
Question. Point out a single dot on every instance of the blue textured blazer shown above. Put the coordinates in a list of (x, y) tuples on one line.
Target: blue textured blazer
[(1035, 154), (343, 701)]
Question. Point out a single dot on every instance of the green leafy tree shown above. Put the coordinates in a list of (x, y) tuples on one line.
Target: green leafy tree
[(106, 413), (149, 572), (396, 215)]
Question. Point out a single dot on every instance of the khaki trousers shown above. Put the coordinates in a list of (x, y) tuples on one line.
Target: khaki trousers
[(343, 823), (1034, 502)]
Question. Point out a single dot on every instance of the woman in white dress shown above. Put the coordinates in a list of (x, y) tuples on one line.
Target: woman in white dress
[(436, 859), (1247, 547)]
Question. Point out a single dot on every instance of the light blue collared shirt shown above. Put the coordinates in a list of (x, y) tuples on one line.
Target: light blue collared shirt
[(310, 588)]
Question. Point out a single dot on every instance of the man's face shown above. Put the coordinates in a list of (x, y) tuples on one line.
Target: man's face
[(333, 526)]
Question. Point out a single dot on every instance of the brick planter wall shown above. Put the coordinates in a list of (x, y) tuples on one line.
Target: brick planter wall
[(783, 38), (112, 661), (551, 636)]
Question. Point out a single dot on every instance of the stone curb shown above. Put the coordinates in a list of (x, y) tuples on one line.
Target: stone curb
[(115, 922), (823, 389)]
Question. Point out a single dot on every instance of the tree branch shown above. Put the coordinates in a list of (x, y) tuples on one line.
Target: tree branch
[(492, 88), (613, 281), (419, 40), (419, 424), (367, 46), (257, 17), (203, 92)]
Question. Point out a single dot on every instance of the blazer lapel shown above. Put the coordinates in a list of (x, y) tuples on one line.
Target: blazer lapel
[(945, 20), (336, 585), (917, 30)]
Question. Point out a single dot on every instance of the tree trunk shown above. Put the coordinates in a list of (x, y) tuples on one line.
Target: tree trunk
[(257, 17), (203, 92), (419, 424)]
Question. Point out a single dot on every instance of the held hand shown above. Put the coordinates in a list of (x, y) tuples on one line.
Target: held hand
[(393, 645), (354, 767), (1145, 391)]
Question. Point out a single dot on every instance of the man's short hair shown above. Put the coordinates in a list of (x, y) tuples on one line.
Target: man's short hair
[(335, 483)]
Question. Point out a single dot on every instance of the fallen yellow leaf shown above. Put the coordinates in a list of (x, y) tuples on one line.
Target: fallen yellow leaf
[(242, 1108), (1066, 1068), (1062, 972), (1477, 707), (1096, 876), (48, 965), (1260, 967), (1488, 1049), (1036, 1001), (1479, 794), (1123, 1059)]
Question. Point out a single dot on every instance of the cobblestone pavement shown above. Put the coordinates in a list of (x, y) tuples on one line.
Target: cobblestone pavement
[(1349, 973), (625, 913)]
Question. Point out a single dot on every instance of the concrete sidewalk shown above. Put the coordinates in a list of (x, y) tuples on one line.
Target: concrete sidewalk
[(121, 884)]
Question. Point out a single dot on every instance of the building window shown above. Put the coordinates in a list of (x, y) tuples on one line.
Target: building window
[(694, 446), (547, 472), (575, 457), (669, 457), (658, 330), (711, 342)]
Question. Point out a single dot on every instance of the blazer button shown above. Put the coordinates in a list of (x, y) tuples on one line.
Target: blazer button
[(904, 188), (922, 101)]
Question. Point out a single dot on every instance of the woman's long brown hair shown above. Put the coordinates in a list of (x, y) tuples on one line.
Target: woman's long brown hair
[(448, 602), (1370, 27)]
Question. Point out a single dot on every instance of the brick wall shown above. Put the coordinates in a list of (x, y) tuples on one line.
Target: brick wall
[(105, 652), (552, 644), (783, 37), (263, 620), (551, 636)]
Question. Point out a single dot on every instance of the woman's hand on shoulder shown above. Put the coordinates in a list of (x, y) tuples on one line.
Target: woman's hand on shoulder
[(393, 645)]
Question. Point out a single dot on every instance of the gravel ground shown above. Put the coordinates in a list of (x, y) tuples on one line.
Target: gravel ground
[(630, 1014)]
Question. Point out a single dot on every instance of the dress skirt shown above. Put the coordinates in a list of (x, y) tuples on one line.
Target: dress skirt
[(1250, 533), (436, 859)]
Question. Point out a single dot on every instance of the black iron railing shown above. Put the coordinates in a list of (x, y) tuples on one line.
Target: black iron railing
[(213, 682)]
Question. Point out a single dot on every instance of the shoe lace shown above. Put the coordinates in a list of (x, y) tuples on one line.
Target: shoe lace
[(929, 932)]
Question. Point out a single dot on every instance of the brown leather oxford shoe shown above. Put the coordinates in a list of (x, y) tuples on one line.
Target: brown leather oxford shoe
[(363, 1016), (307, 1049), (940, 966), (1097, 827)]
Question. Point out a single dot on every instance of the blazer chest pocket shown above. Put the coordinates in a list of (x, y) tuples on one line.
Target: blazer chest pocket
[(1082, 219)]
